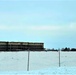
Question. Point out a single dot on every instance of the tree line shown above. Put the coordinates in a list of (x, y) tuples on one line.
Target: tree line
[(62, 49)]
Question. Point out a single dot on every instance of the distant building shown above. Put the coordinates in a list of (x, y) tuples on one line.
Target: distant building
[(21, 46)]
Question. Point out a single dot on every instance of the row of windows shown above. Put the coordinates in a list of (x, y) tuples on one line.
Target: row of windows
[(12, 49), (19, 43), (20, 46)]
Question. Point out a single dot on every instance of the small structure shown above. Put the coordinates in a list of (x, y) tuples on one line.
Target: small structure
[(21, 46)]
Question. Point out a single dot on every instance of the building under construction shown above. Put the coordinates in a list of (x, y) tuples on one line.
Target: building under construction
[(21, 46)]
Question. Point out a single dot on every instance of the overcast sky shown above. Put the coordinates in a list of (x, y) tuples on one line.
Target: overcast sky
[(52, 22)]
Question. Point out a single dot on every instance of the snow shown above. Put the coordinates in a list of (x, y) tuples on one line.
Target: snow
[(41, 63), (49, 71)]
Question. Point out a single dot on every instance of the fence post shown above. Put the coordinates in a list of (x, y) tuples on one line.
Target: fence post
[(59, 58), (28, 60)]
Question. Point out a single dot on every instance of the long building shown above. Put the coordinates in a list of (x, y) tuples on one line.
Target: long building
[(21, 46)]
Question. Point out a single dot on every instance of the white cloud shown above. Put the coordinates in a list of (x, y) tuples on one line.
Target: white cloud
[(41, 30), (46, 27), (72, 26)]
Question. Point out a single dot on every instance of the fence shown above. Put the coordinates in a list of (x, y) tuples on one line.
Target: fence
[(35, 60)]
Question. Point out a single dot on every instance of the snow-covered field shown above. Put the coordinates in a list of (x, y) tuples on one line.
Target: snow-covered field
[(41, 63), (49, 71)]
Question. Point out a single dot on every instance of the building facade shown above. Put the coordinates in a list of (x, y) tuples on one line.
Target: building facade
[(21, 46)]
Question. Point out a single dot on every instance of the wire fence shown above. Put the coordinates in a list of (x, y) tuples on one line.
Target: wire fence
[(35, 60)]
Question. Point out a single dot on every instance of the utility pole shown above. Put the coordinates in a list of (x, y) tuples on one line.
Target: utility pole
[(59, 58), (28, 60)]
